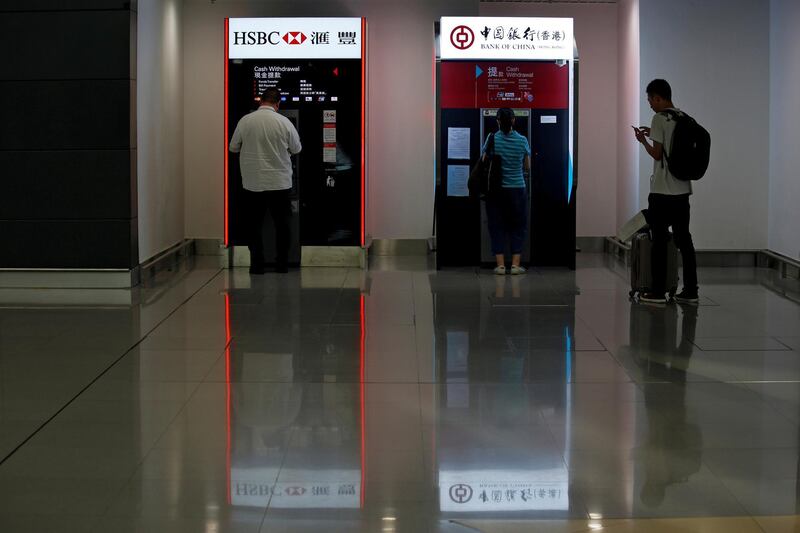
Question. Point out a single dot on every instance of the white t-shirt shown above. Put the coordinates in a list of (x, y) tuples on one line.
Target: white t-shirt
[(662, 181), (264, 140)]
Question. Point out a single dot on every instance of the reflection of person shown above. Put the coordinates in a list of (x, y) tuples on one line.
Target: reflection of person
[(265, 140), (668, 202), (506, 208), (672, 451)]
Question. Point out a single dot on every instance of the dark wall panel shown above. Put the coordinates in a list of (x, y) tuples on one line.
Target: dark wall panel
[(65, 5), (66, 185), (81, 45), (65, 115), (68, 134), (67, 244)]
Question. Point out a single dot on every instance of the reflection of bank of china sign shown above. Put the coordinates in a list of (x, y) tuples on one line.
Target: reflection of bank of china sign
[(294, 38), (461, 493), (506, 38), (481, 492)]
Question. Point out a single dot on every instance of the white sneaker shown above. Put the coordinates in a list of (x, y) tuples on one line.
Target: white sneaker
[(500, 271), (516, 269)]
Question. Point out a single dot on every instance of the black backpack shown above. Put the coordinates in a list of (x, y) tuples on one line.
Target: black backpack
[(690, 148)]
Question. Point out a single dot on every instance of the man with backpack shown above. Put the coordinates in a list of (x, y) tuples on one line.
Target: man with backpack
[(668, 202)]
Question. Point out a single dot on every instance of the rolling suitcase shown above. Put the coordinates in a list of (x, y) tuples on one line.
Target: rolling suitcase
[(641, 271)]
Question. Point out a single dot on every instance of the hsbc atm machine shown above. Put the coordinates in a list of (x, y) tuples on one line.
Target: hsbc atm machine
[(319, 66), (530, 66)]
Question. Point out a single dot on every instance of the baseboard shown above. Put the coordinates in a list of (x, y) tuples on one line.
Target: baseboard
[(98, 278), (400, 246), (786, 266), (53, 278), (214, 247), (590, 244)]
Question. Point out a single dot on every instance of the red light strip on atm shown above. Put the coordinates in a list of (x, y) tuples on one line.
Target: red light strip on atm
[(363, 124), (228, 393), (362, 350), (225, 170)]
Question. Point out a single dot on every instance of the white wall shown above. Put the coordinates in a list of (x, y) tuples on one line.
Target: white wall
[(784, 190), (628, 149), (715, 54), (596, 37), (400, 106), (160, 126)]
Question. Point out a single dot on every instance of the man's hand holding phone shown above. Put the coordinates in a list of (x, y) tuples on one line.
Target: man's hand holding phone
[(641, 133)]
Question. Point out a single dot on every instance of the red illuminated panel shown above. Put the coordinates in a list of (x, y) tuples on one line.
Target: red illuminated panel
[(362, 350), (225, 166), (228, 392), (467, 85), (363, 125)]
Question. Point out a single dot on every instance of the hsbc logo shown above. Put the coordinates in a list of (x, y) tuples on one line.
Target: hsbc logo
[(295, 491), (263, 38), (294, 37), (255, 37)]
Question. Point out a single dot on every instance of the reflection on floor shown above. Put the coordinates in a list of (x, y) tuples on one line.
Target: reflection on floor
[(401, 399)]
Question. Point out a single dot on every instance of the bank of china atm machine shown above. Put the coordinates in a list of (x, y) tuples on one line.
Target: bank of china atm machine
[(318, 65), (530, 66)]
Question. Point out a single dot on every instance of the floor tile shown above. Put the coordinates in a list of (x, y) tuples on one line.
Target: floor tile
[(340, 399), (739, 343)]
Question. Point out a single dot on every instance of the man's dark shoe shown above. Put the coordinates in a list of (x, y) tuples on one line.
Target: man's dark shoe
[(687, 297), (257, 270), (652, 298), (281, 269)]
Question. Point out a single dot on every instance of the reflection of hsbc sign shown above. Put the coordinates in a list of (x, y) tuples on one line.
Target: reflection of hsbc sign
[(308, 489), (526, 39), (294, 38)]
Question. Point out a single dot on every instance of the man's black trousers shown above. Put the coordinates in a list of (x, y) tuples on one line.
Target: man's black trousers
[(665, 210), (279, 207)]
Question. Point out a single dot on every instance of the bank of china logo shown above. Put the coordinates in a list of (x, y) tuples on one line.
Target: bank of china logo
[(462, 37), (295, 37), (461, 493)]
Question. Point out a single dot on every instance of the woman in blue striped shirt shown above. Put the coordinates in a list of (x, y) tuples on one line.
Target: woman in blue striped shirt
[(506, 208)]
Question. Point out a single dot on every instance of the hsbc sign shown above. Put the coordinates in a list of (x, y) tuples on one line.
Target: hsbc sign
[(295, 38)]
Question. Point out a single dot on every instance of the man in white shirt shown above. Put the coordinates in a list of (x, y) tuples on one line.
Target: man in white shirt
[(668, 202), (265, 141)]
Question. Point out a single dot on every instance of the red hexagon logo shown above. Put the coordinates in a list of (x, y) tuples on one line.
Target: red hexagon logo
[(295, 37)]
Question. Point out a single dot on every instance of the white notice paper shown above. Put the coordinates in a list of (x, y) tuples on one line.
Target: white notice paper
[(457, 143), (329, 153), (329, 134), (548, 119), (457, 176), (329, 116)]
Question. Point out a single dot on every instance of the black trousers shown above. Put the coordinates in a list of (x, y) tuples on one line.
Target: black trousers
[(665, 210), (279, 207)]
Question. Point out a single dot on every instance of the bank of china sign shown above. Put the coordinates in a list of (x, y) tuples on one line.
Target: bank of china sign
[(294, 38), (506, 38)]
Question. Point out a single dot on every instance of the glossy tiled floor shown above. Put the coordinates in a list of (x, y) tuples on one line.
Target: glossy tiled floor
[(400, 399)]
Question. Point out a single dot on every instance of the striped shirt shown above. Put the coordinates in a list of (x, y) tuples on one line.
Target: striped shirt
[(512, 149)]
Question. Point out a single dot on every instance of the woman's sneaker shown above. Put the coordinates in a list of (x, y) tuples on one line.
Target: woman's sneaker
[(516, 270), (687, 297), (652, 298), (500, 271)]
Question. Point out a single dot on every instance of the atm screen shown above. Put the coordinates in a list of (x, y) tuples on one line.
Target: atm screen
[(326, 94)]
